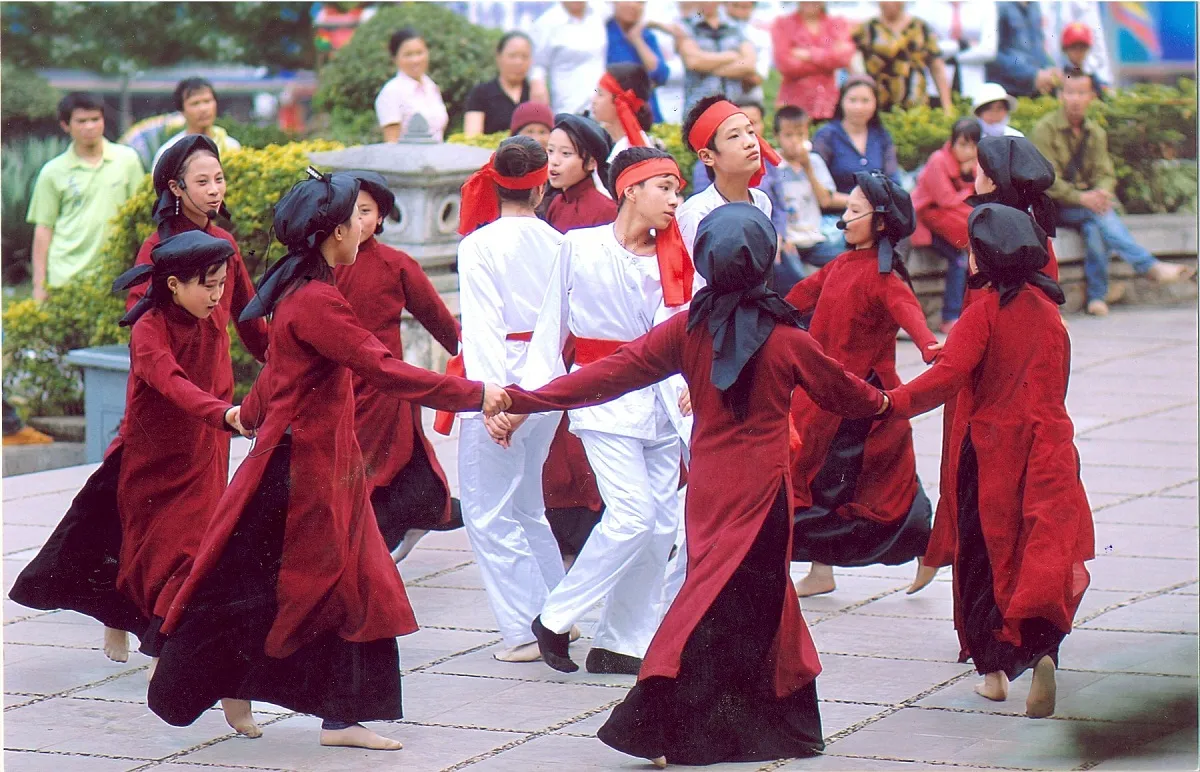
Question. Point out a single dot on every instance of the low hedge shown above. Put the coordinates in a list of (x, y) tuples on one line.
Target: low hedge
[(84, 312)]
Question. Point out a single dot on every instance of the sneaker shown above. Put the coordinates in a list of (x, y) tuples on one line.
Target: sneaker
[(1097, 308)]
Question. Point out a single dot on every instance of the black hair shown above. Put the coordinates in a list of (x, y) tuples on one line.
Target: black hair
[(581, 150), (633, 77), (745, 102), (1076, 72), (624, 160), (78, 100), (853, 82), (399, 38), (187, 162), (188, 86), (791, 113), (202, 271), (966, 128), (694, 115), (516, 157), (504, 40)]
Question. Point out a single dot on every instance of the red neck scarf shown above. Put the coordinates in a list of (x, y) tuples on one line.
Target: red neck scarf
[(711, 119), (627, 104), (675, 268), (480, 202)]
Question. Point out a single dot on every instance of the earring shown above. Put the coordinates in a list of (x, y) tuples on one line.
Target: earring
[(176, 207)]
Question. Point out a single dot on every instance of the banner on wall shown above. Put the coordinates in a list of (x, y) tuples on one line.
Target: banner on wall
[(1154, 32)]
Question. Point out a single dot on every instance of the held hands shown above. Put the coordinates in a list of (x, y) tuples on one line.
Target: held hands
[(887, 404), (501, 427), (685, 402), (233, 417), (930, 354), (495, 400)]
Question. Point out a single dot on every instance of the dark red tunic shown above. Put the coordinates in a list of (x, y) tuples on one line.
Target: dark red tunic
[(175, 461), (379, 286), (336, 574), (857, 312), (1012, 366), (726, 505), (581, 206)]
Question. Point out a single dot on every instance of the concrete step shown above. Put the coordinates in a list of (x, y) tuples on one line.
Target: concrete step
[(27, 459), (65, 428)]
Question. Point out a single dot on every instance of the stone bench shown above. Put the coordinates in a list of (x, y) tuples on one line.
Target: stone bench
[(1170, 237)]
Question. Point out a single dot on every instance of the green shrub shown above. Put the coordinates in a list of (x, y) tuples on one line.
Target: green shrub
[(460, 56), (84, 313), (28, 100), (20, 162)]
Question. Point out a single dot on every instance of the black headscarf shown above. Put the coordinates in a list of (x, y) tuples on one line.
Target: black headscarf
[(1010, 251), (169, 167), (376, 186), (894, 209), (735, 250), (588, 133), (1022, 176), (182, 253), (304, 217)]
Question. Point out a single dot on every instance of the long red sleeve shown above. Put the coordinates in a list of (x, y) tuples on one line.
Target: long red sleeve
[(904, 307), (253, 333), (425, 304), (951, 373), (150, 359), (827, 382), (805, 294)]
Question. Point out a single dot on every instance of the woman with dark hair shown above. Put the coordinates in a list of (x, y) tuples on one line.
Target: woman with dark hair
[(940, 200), (857, 496), (578, 151), (621, 106), (855, 140), (293, 598), (409, 494), (731, 673), (411, 92), (489, 107)]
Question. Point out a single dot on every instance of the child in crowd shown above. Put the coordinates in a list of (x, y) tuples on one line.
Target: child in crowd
[(532, 119), (1076, 42), (807, 189)]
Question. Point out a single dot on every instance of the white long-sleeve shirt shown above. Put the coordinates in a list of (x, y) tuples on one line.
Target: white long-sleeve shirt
[(696, 208), (569, 55), (503, 271), (605, 292)]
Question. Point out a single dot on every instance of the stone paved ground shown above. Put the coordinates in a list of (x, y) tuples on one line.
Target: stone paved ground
[(893, 695)]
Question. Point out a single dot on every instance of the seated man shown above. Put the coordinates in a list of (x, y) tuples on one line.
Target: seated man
[(1083, 190)]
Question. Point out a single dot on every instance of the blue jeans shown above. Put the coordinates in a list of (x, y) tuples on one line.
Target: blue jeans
[(956, 278), (1104, 234), (791, 266)]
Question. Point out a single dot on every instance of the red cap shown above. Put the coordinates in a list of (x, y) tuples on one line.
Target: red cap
[(1076, 34), (531, 112)]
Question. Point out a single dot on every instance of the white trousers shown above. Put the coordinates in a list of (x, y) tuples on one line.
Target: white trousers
[(505, 516), (624, 560)]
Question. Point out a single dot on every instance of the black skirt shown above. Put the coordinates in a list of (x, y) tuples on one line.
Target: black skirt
[(821, 535), (980, 617), (77, 567), (722, 706), (572, 526), (415, 498), (217, 650)]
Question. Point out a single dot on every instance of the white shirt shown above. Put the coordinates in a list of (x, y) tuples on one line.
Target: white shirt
[(978, 20), (603, 291), (403, 97), (698, 206), (623, 144), (503, 271), (568, 55)]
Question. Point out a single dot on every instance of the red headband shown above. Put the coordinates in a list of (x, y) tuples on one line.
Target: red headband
[(627, 105), (675, 268), (711, 119), (480, 203)]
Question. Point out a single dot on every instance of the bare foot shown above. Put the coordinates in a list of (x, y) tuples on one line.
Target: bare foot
[(528, 652), (116, 645), (994, 686), (358, 736), (660, 762), (411, 537), (818, 582), (240, 718), (1042, 691), (925, 575), (151, 669), (574, 633)]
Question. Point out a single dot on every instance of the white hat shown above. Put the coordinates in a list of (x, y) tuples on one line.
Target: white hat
[(993, 92)]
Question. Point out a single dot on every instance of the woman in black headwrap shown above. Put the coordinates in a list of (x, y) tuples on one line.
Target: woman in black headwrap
[(1023, 525), (858, 499), (293, 597), (730, 674)]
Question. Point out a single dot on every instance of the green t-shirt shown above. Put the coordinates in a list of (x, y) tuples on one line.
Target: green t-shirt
[(78, 201)]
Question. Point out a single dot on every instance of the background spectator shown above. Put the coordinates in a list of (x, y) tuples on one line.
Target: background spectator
[(1059, 14), (1084, 189), (631, 40), (993, 105), (1022, 65), (77, 193), (630, 77), (897, 50), (569, 42), (1076, 53), (490, 106), (855, 140), (532, 119), (742, 14), (412, 91), (196, 100), (810, 46), (771, 183), (718, 57), (940, 201), (966, 33)]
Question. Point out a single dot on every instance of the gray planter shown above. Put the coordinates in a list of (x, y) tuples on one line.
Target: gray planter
[(105, 377)]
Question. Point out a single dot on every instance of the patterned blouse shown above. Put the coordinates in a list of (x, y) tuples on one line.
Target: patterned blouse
[(898, 63)]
